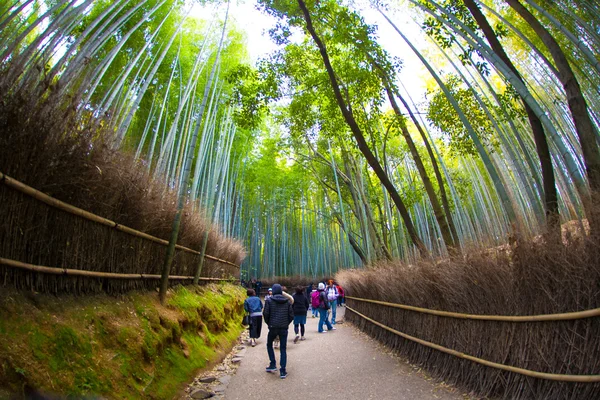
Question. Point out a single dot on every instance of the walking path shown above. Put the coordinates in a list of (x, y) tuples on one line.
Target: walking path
[(341, 364)]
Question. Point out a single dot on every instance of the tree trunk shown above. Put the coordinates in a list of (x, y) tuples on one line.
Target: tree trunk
[(435, 204), (576, 100), (436, 170), (164, 283), (358, 135), (539, 136)]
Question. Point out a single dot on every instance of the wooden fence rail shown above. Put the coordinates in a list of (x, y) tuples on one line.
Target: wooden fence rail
[(95, 274), (51, 201), (508, 318), (522, 371)]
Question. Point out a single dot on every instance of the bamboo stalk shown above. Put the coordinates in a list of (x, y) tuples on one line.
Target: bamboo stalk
[(51, 201), (94, 274), (509, 318), (522, 371)]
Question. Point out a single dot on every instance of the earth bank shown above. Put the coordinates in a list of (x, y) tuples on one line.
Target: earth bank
[(127, 347)]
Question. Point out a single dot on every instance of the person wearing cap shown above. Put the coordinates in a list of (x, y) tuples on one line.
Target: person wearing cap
[(323, 308), (278, 314), (269, 295)]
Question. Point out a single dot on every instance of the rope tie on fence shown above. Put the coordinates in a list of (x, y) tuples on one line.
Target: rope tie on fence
[(522, 371), (508, 318)]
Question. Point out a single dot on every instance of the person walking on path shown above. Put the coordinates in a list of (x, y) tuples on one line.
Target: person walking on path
[(254, 307), (332, 296), (278, 315), (314, 303), (341, 299), (269, 294), (323, 308), (291, 300), (300, 308)]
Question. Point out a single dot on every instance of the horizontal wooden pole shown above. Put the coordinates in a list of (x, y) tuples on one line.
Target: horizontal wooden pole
[(509, 318), (522, 371), (51, 201), (94, 274)]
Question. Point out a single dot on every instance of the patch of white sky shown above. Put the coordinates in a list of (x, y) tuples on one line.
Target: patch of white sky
[(256, 24)]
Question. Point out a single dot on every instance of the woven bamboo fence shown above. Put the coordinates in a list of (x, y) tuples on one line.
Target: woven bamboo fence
[(524, 325), (50, 246)]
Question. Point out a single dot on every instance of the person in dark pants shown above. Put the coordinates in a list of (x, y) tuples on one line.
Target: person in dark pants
[(300, 308), (278, 315), (253, 307)]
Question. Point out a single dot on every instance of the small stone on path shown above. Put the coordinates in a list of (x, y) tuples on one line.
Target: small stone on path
[(220, 388), (201, 394), (236, 360), (208, 379)]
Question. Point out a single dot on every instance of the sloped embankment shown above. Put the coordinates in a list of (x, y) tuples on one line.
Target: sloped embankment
[(126, 347)]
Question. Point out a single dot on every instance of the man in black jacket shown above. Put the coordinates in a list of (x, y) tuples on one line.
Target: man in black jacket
[(278, 314)]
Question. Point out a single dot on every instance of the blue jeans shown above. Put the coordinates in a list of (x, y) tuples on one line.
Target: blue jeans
[(323, 319), (333, 305), (283, 334)]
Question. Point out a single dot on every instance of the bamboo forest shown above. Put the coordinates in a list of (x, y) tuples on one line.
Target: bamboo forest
[(443, 154)]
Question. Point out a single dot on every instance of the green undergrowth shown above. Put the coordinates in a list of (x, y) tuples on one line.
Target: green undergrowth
[(127, 348)]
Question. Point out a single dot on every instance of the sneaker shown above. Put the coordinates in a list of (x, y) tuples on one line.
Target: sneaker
[(302, 338), (271, 369), (296, 339), (332, 328), (323, 332), (253, 342), (283, 375)]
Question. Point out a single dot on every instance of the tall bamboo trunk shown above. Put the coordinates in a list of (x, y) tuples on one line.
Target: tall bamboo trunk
[(435, 204), (576, 101), (360, 139), (539, 136), (164, 283)]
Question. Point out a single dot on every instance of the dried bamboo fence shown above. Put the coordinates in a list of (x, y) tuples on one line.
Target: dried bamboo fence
[(505, 318), (518, 357), (41, 230)]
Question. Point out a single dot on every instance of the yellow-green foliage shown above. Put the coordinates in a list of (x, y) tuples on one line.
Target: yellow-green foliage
[(130, 347)]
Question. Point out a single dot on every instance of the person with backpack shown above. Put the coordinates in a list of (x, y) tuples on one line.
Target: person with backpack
[(278, 315), (300, 308), (323, 308), (332, 296), (314, 302)]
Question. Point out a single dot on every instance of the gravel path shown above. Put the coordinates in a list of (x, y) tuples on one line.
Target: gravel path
[(341, 364)]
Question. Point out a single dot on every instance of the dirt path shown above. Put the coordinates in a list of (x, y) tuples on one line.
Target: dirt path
[(342, 364)]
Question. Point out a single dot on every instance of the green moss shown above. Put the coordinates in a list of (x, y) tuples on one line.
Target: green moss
[(131, 348)]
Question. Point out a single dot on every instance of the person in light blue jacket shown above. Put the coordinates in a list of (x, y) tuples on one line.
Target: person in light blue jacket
[(253, 306)]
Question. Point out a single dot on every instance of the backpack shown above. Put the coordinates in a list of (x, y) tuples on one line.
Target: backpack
[(314, 299), (332, 293)]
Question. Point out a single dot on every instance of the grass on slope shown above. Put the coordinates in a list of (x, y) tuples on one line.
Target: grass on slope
[(128, 347)]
